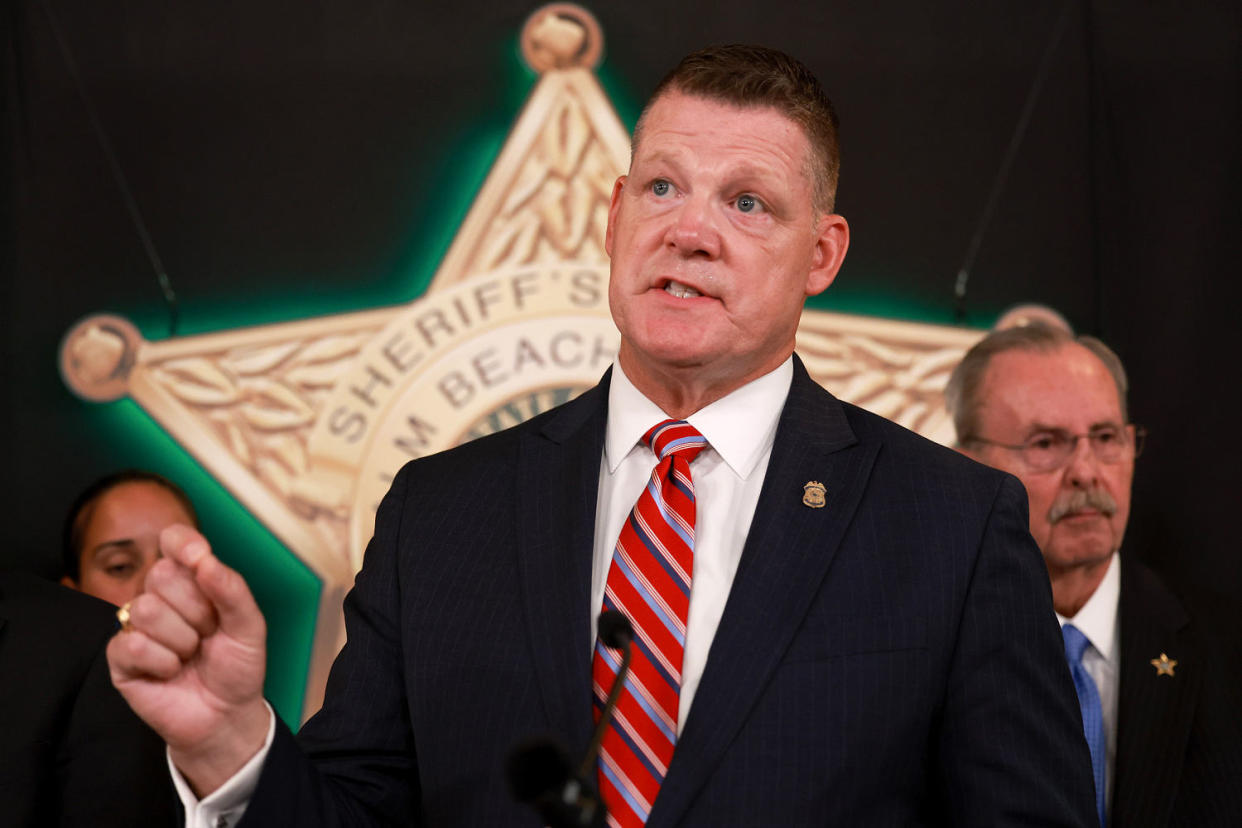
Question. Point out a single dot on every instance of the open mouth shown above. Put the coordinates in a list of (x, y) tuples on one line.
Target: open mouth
[(680, 291)]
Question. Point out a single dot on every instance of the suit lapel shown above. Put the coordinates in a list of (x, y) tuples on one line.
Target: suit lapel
[(786, 556), (1154, 712), (558, 476)]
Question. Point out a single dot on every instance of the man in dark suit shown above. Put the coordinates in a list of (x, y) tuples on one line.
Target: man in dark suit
[(869, 639), (71, 752), (1051, 408)]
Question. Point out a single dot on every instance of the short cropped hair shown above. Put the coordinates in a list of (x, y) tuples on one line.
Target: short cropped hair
[(756, 76), (961, 395), (84, 506)]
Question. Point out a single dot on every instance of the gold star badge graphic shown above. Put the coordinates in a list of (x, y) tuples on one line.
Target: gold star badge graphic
[(1164, 665)]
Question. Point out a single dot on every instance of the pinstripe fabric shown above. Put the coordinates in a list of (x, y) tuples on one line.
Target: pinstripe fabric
[(1179, 738), (890, 659), (649, 581)]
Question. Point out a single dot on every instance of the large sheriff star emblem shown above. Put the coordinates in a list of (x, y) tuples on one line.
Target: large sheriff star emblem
[(306, 422)]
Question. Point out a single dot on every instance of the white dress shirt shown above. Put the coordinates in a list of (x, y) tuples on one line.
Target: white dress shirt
[(740, 430), (223, 807), (1097, 620)]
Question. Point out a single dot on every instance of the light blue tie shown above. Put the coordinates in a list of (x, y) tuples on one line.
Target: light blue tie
[(1089, 703)]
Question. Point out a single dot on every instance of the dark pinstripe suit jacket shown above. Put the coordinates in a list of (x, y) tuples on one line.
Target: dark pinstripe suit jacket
[(72, 753), (1179, 738), (889, 659)]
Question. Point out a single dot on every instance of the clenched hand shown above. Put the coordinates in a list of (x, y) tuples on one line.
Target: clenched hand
[(192, 659)]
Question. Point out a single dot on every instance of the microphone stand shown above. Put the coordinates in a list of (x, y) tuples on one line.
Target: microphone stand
[(616, 638), (539, 772)]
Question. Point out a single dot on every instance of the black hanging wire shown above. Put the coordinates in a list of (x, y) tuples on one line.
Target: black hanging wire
[(1011, 153), (127, 196), (1103, 134)]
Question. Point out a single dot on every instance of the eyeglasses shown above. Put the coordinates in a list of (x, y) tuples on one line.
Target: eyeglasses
[(1052, 449)]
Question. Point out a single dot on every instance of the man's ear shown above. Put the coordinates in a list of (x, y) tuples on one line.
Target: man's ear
[(613, 205), (831, 241), (65, 580)]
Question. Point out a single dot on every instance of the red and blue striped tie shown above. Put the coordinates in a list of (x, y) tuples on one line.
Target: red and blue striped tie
[(649, 581)]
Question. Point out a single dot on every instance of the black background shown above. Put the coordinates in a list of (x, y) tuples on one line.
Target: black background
[(296, 158)]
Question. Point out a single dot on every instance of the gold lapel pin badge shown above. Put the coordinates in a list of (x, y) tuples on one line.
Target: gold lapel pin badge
[(814, 494), (1164, 665)]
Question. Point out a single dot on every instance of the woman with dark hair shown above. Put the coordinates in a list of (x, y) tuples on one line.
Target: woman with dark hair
[(112, 531)]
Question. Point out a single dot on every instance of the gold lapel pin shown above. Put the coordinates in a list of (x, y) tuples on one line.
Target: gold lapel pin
[(814, 494), (1164, 665)]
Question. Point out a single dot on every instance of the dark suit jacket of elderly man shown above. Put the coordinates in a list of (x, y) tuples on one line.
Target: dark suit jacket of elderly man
[(1179, 736), (891, 658), (72, 753)]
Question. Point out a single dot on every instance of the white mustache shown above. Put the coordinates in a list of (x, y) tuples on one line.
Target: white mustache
[(1079, 500)]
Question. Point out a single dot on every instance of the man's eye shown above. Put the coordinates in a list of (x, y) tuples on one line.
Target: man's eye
[(1044, 442), (661, 188), (1106, 436), (749, 204), (122, 570)]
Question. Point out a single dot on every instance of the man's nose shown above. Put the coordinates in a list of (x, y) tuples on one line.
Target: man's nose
[(1083, 467), (693, 231)]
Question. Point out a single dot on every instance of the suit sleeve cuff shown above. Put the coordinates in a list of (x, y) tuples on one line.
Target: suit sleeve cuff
[(223, 807)]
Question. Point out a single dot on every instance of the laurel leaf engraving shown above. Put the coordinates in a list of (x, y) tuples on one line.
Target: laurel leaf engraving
[(579, 198), (549, 146), (814, 343), (826, 368), (887, 404), (509, 241), (911, 415), (321, 493), (565, 184), (899, 380), (562, 145), (930, 372), (267, 419), (251, 361), (499, 239), (578, 135), (831, 354), (932, 385), (237, 443), (289, 450), (526, 187), (887, 356), (862, 386), (271, 472), (197, 381), (271, 406), (523, 250), (592, 249), (597, 172), (553, 213)]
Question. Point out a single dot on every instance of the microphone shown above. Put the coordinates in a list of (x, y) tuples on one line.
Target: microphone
[(539, 771), (616, 633)]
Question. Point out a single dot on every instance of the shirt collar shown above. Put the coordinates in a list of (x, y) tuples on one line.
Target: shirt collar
[(730, 424), (1097, 619)]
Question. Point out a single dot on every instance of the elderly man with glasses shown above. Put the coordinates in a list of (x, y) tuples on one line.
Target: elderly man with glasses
[(1159, 705)]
